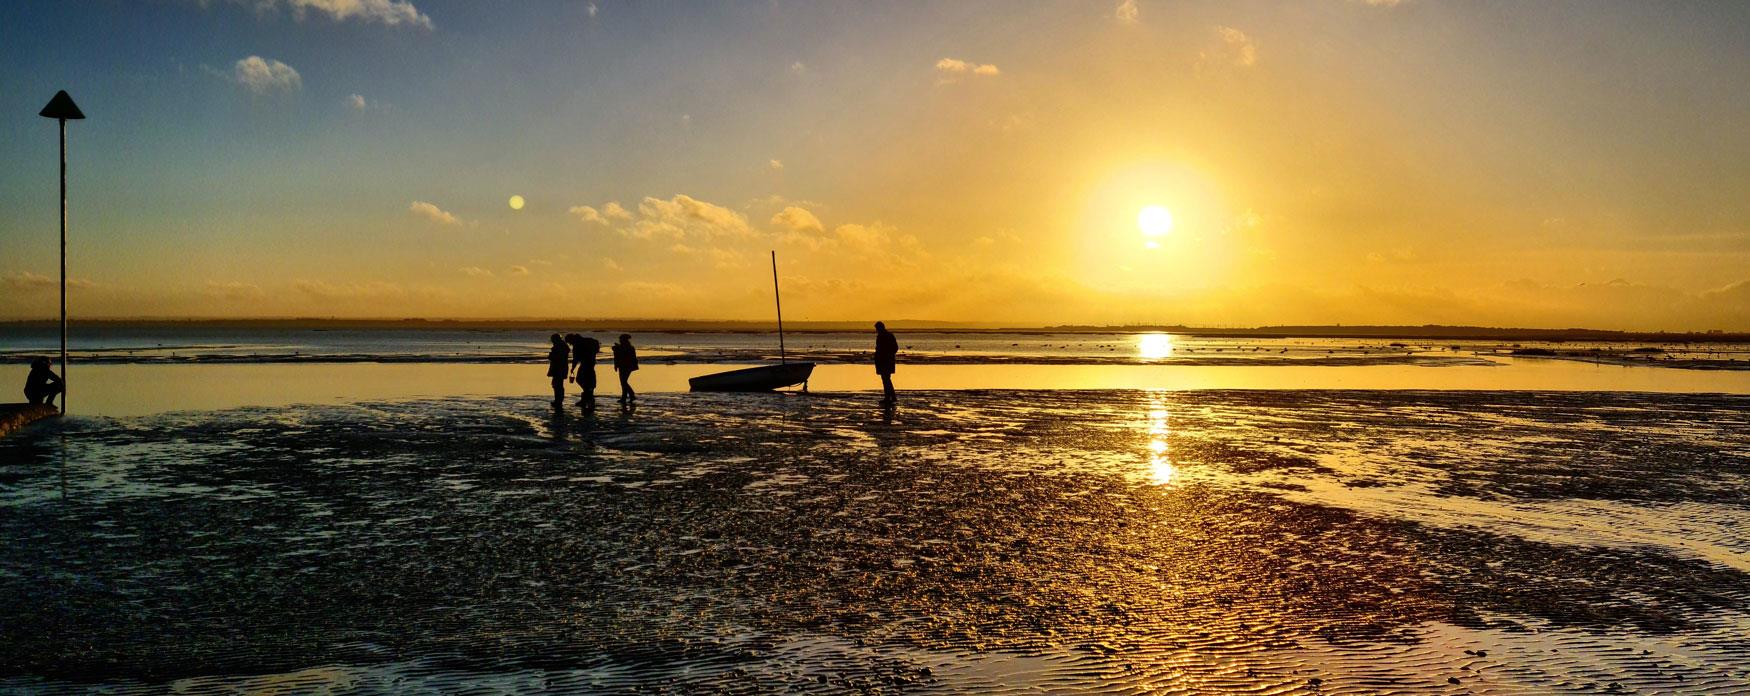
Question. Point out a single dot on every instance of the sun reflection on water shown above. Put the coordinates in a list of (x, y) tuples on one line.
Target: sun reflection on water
[(1154, 346), (1160, 461)]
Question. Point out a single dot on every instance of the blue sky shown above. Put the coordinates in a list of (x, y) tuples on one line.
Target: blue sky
[(1339, 161)]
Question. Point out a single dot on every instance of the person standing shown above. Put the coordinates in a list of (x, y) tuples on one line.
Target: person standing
[(626, 363), (558, 365), (583, 352), (886, 355), (42, 385)]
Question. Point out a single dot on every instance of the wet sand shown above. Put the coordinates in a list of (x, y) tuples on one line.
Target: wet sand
[(1258, 541)]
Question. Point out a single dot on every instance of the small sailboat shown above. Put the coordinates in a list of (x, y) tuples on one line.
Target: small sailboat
[(764, 377)]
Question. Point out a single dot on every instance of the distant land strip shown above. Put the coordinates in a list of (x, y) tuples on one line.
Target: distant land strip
[(1427, 331)]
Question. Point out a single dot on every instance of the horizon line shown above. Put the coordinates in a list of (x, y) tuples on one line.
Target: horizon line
[(1430, 330)]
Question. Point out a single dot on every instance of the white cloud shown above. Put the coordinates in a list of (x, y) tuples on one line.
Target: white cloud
[(387, 12), (686, 120), (476, 272), (519, 270), (952, 69), (1128, 12), (356, 102), (685, 217), (797, 220), (588, 214), (591, 9), (775, 165), (261, 76), (797, 68), (608, 214), (433, 213)]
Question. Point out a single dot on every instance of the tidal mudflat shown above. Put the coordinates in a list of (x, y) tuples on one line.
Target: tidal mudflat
[(1259, 541)]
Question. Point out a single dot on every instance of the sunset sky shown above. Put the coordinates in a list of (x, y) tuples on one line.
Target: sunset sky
[(1321, 161)]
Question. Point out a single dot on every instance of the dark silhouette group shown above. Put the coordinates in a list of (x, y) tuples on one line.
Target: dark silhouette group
[(572, 358)]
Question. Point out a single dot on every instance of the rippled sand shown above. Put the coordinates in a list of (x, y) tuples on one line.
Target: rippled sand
[(1342, 542)]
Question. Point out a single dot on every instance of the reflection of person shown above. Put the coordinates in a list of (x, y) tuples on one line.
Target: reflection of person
[(625, 363), (886, 354), (557, 363), (583, 351), (43, 385)]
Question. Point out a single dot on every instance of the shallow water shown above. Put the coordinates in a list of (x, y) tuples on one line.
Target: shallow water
[(1260, 541), (146, 389)]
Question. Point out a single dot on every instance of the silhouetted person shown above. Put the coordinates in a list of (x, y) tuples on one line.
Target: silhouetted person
[(626, 363), (583, 352), (43, 385), (886, 354), (558, 364)]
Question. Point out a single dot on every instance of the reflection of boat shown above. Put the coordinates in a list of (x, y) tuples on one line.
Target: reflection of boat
[(764, 377)]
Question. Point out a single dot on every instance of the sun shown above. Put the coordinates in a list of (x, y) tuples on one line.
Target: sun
[(516, 202), (1155, 221)]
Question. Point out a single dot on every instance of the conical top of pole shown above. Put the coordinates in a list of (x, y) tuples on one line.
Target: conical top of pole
[(62, 107)]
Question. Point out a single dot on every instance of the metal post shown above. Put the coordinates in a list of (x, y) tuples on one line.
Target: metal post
[(62, 108), (63, 265)]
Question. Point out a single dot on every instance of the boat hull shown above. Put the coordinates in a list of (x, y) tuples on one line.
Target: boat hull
[(754, 379)]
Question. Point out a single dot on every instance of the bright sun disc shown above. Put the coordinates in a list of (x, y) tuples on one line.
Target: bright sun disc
[(516, 202), (1155, 221)]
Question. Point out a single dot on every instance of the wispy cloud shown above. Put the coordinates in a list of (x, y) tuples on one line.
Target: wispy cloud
[(1128, 12), (953, 69), (519, 270), (433, 213), (25, 281), (263, 76), (357, 102), (775, 165), (234, 291), (386, 12), (326, 291), (1229, 48), (475, 272)]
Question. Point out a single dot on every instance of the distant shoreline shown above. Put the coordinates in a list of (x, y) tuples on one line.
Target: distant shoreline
[(1426, 332)]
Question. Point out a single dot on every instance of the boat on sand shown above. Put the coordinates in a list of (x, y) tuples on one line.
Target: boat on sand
[(763, 377)]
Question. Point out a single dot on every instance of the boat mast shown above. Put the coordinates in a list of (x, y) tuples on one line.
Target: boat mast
[(780, 302)]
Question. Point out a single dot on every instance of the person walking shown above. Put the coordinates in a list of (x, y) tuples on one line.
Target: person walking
[(886, 355), (558, 365), (626, 363), (583, 352)]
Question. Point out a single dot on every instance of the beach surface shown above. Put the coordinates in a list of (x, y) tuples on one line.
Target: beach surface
[(1266, 541)]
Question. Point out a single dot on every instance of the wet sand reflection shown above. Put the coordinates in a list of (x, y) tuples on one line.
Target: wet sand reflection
[(979, 540)]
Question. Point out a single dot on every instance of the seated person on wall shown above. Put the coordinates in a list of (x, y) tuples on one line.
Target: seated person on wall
[(43, 385)]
